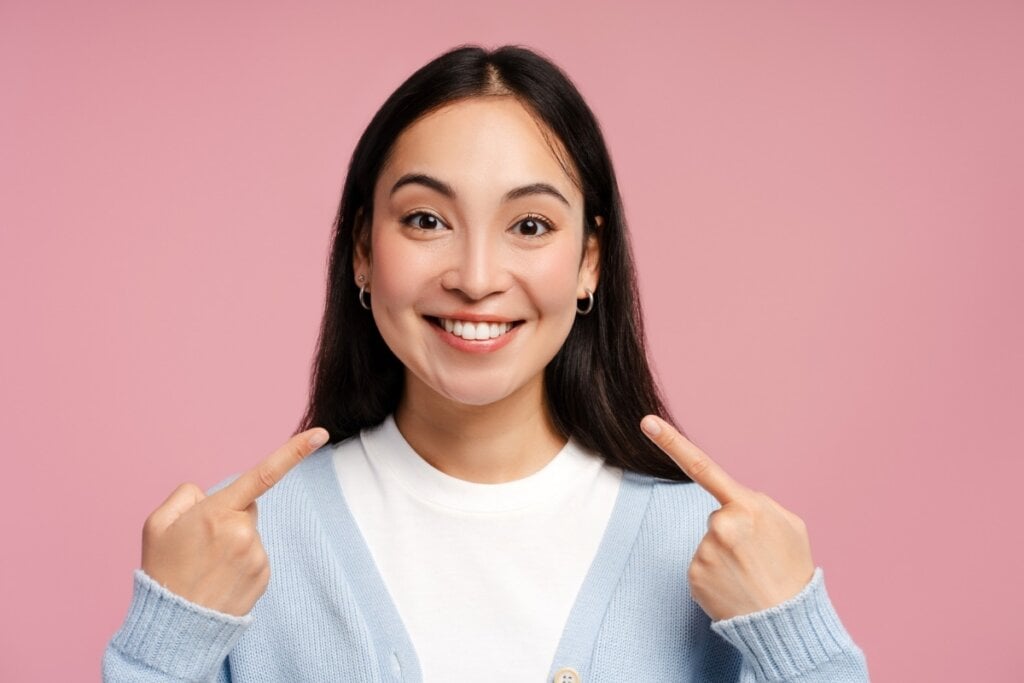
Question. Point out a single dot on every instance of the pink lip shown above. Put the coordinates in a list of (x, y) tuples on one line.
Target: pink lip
[(476, 346)]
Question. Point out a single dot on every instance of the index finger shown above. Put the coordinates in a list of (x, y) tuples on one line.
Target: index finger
[(252, 484), (692, 460)]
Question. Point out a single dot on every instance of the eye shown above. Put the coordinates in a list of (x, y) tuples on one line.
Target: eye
[(534, 226), (428, 221)]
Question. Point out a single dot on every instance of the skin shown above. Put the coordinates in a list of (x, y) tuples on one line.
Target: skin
[(472, 253), (206, 548), (755, 554), (479, 257)]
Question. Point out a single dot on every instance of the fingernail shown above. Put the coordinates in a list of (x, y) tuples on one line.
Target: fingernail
[(318, 438), (650, 425)]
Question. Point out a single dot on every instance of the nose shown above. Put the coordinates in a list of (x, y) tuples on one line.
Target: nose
[(479, 267)]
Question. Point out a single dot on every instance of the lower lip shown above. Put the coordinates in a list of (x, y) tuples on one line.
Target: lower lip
[(475, 346)]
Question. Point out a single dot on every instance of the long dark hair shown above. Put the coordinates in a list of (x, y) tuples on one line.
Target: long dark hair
[(599, 384)]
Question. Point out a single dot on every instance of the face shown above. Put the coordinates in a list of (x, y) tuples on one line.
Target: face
[(476, 256)]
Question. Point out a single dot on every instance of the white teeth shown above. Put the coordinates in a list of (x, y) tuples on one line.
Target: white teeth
[(472, 331)]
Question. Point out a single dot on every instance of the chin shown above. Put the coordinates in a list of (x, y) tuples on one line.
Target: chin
[(474, 393), (475, 398)]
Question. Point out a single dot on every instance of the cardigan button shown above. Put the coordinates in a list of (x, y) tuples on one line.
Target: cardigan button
[(567, 675), (396, 666)]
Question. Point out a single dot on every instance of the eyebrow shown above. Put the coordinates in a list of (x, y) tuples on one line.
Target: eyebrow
[(446, 189)]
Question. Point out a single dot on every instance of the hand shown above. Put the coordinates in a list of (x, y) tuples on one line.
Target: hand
[(207, 549), (755, 554)]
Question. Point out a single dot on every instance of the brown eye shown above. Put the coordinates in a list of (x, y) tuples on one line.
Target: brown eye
[(427, 221), (533, 226)]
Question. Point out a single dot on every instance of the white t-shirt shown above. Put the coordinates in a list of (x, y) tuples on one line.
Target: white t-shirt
[(483, 575)]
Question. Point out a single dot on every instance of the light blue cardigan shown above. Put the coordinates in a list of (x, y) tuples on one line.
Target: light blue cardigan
[(327, 616)]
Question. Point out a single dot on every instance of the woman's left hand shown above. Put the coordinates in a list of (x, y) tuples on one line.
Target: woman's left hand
[(755, 554)]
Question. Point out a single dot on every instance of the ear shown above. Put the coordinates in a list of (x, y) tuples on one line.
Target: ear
[(362, 264), (590, 268)]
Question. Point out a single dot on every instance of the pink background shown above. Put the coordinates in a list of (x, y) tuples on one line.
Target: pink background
[(825, 201)]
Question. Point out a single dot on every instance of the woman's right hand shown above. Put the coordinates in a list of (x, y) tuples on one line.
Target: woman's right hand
[(206, 548)]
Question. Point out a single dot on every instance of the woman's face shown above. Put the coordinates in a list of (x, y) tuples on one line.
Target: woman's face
[(476, 257)]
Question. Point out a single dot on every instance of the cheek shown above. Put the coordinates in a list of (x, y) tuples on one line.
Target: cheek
[(399, 274), (397, 284), (552, 280)]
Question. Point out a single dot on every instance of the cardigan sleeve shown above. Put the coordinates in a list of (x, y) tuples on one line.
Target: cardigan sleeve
[(800, 640), (168, 638)]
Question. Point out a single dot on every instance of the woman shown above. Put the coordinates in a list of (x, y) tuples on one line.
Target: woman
[(488, 506)]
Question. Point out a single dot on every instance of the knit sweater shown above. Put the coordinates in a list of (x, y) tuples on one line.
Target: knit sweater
[(470, 566), (327, 616)]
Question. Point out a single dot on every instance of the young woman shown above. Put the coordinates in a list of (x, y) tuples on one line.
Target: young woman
[(498, 500)]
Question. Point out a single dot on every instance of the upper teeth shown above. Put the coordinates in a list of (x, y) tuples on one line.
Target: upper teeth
[(470, 330)]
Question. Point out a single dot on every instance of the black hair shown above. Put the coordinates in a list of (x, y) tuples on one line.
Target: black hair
[(599, 384)]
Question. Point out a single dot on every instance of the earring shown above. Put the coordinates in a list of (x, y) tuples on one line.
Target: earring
[(362, 292), (590, 304)]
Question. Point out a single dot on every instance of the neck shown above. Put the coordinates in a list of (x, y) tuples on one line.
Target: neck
[(491, 444)]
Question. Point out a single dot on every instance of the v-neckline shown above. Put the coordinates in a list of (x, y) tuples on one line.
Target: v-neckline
[(393, 647)]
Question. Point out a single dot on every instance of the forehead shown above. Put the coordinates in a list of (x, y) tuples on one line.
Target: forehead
[(482, 144)]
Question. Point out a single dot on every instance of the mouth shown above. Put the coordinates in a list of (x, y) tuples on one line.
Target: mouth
[(474, 330)]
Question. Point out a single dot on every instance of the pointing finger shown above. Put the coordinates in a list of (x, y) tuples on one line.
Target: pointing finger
[(244, 490), (692, 460)]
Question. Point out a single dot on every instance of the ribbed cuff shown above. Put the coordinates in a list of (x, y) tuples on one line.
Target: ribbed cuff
[(170, 634), (792, 638)]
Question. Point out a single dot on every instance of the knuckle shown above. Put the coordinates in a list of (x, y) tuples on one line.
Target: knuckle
[(152, 526), (263, 575), (725, 529), (257, 560), (699, 465), (299, 446), (266, 476), (189, 487), (698, 569), (242, 535)]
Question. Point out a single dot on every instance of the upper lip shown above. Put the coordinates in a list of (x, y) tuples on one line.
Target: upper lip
[(476, 317)]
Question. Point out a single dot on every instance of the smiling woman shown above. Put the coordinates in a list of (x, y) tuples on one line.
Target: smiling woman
[(485, 503), (482, 227)]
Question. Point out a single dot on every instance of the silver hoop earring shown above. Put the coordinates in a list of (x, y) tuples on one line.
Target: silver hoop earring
[(362, 299), (590, 304)]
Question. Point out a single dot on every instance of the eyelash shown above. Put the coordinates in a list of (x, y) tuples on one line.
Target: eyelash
[(537, 218)]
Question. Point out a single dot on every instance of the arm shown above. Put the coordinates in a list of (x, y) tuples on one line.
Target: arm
[(167, 638), (799, 640), (753, 574), (203, 569)]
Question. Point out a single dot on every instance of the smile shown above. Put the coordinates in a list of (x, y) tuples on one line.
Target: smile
[(474, 331)]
